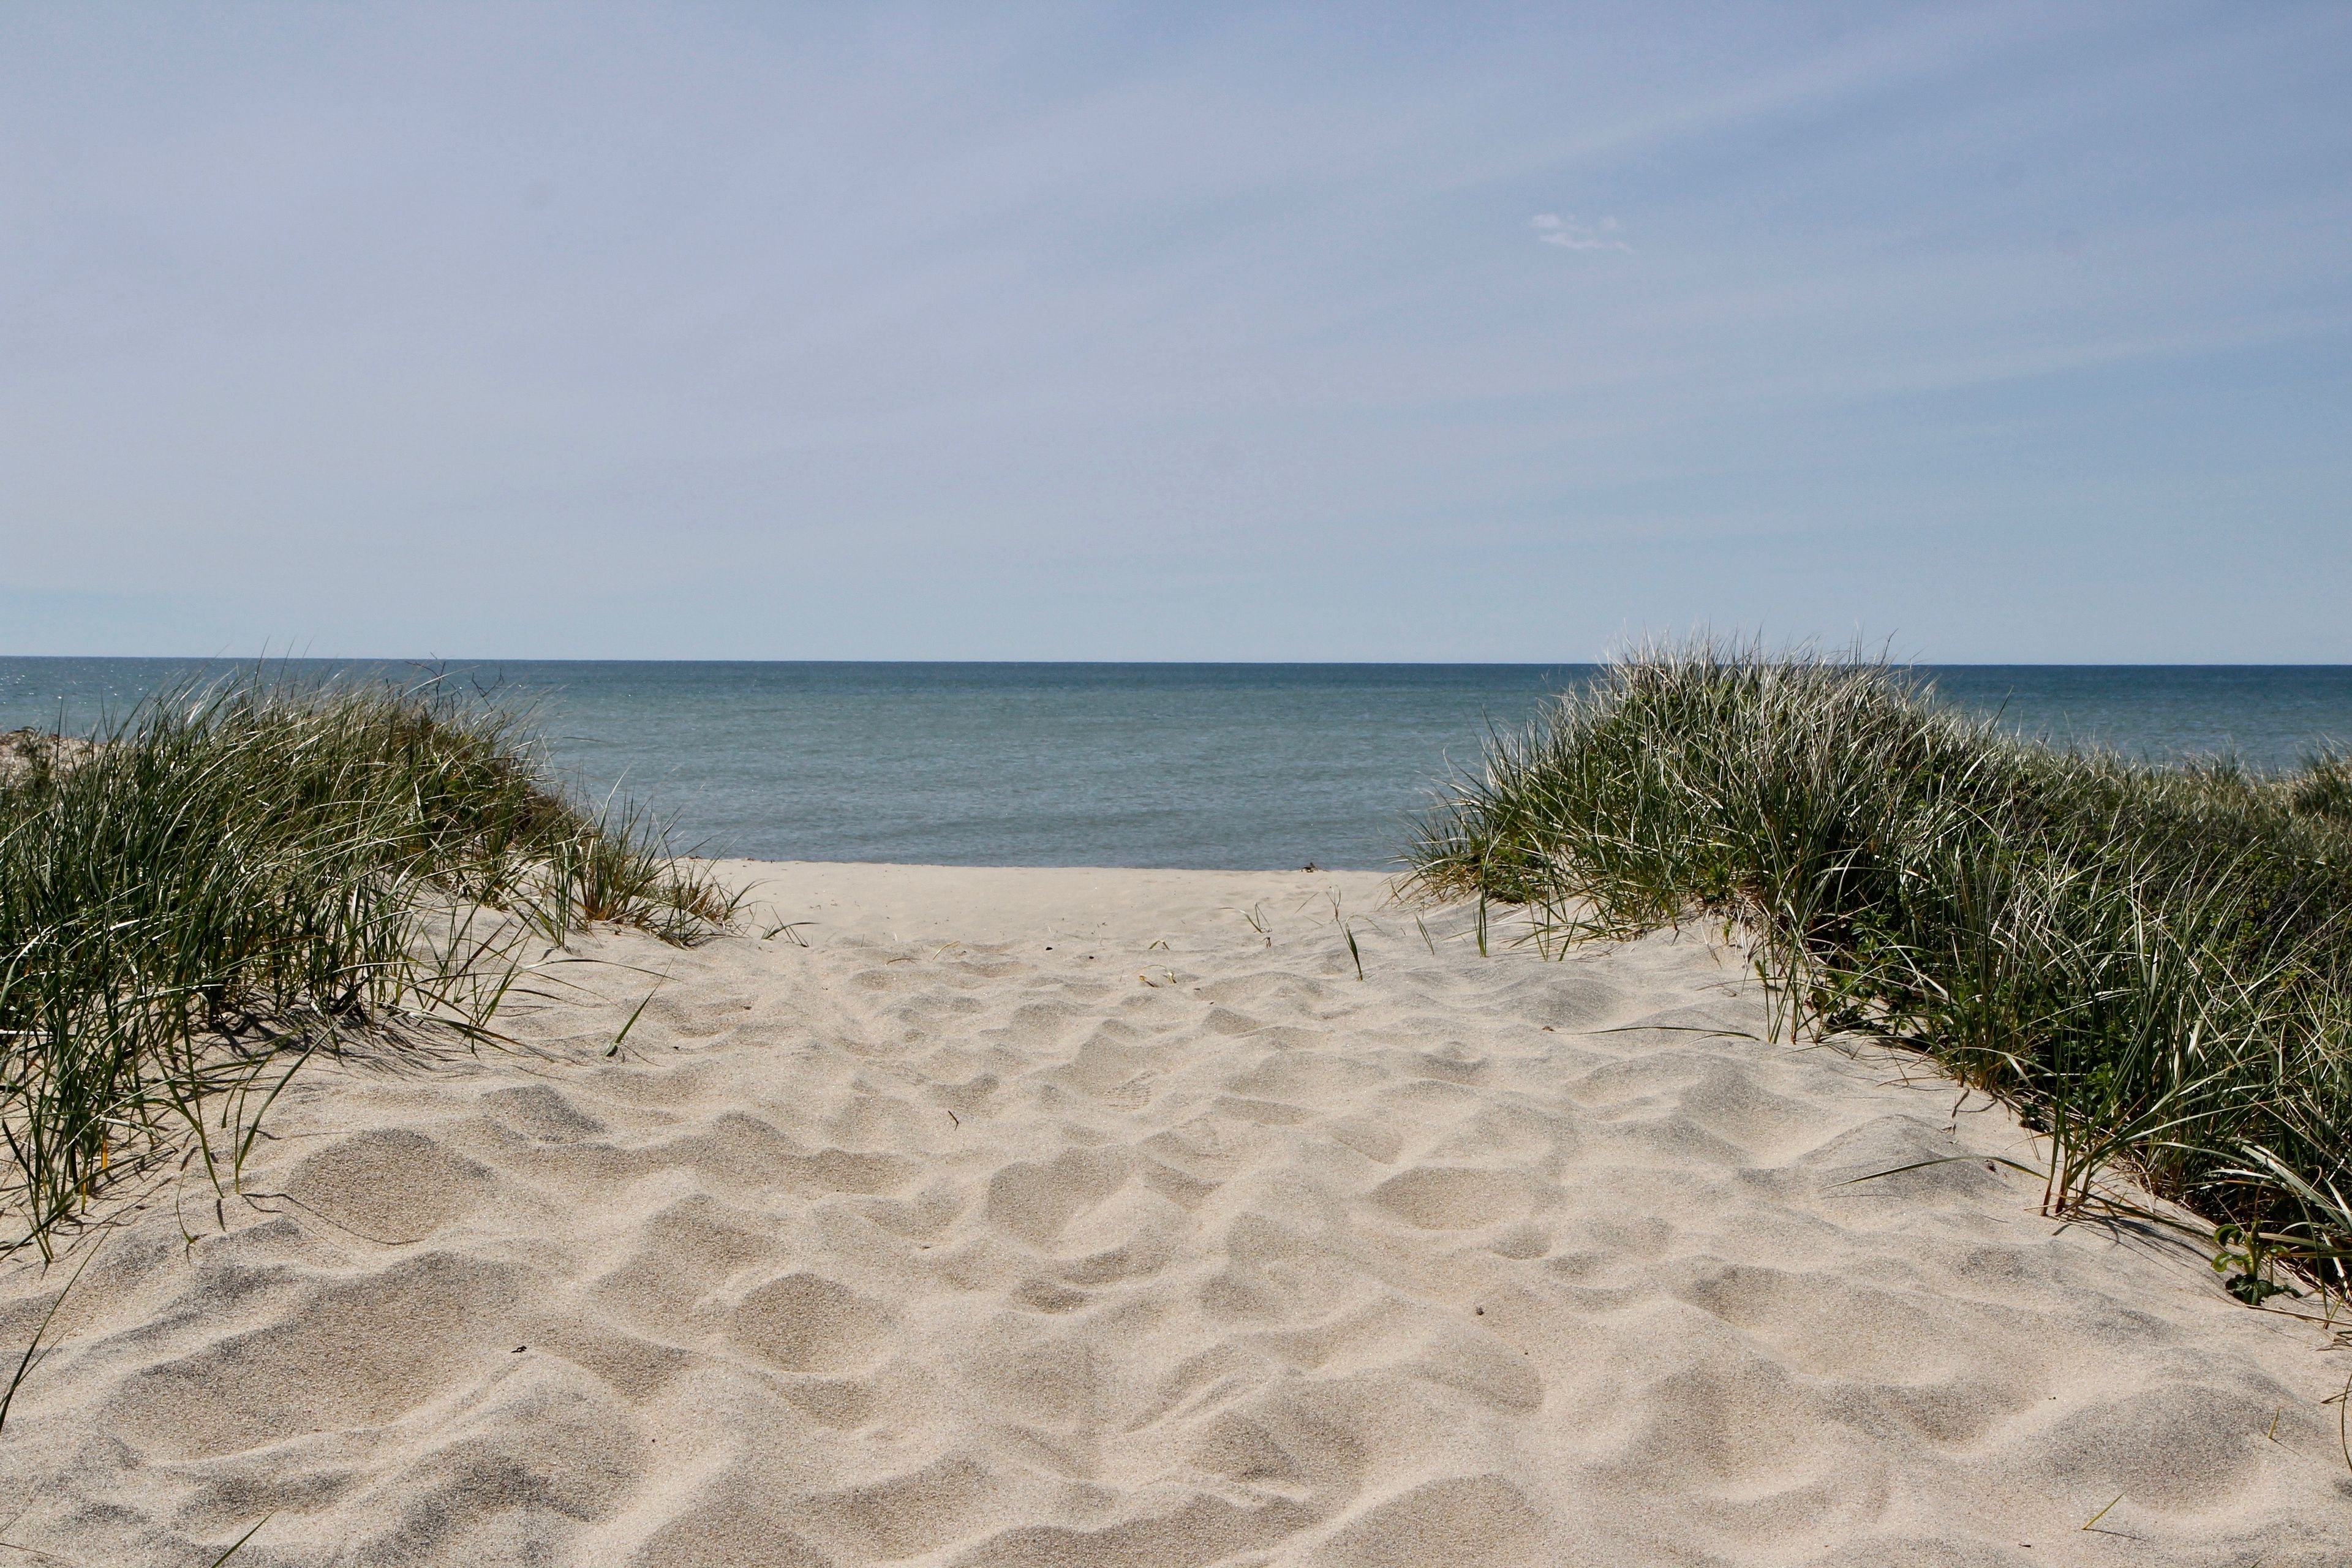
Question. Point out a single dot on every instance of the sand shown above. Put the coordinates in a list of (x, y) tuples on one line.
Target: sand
[(1032, 1218), (23, 749)]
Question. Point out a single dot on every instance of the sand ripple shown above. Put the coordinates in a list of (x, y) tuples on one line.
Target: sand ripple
[(1033, 1218)]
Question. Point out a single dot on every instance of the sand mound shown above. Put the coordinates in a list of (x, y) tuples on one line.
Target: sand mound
[(1037, 1217)]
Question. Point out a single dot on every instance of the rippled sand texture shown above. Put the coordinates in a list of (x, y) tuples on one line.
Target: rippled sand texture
[(988, 1230)]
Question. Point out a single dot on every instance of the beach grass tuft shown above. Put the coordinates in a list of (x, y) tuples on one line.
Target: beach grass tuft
[(200, 896), (2152, 964)]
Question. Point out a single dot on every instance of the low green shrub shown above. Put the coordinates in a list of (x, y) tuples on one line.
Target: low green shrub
[(193, 900), (2152, 964)]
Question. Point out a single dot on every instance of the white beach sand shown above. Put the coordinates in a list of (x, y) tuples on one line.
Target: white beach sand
[(1033, 1217)]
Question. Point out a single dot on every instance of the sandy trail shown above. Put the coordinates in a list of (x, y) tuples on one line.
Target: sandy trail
[(1035, 1218)]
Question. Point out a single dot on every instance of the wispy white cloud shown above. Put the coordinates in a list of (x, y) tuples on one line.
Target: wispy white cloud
[(1567, 233)]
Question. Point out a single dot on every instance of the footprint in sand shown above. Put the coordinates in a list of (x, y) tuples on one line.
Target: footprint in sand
[(389, 1185), (1454, 1197), (808, 1323)]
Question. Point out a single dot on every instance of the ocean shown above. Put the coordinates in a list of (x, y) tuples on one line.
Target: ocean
[(1232, 765)]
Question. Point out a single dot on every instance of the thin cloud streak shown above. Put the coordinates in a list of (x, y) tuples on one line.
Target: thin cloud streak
[(1570, 235)]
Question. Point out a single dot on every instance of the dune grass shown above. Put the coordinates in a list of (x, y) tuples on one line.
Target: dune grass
[(2153, 965), (229, 879)]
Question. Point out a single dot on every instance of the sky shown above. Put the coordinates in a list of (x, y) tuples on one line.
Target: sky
[(2007, 333)]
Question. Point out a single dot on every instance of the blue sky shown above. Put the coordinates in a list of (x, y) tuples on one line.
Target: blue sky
[(2013, 332)]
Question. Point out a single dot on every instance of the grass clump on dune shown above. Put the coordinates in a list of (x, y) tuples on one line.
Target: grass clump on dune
[(195, 898), (2152, 964)]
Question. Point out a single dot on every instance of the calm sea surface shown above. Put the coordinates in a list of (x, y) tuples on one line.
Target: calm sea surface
[(1139, 764)]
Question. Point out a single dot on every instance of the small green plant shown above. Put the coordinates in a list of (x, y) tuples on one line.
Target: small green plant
[(2243, 1257), (1347, 924)]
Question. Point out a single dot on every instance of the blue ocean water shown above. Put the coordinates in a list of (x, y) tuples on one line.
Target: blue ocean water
[(1233, 765)]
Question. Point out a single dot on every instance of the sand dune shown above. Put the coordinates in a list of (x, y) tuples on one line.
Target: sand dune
[(1068, 1217)]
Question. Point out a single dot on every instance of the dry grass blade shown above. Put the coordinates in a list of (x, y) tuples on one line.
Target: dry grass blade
[(238, 1545), (32, 1356)]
